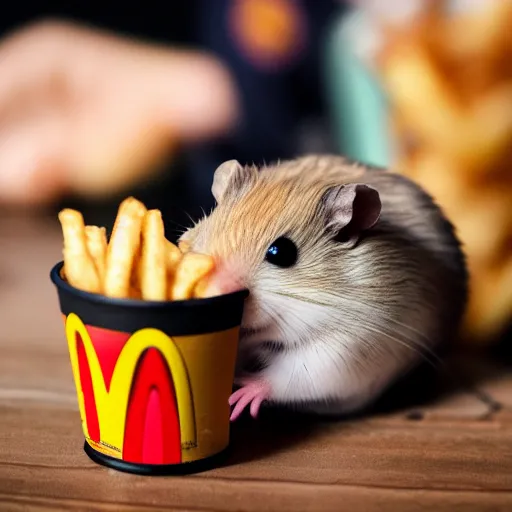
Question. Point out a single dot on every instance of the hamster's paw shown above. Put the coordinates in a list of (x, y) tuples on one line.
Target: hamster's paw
[(254, 391)]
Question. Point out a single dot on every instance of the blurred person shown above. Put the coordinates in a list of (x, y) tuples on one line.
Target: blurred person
[(87, 111), (95, 112)]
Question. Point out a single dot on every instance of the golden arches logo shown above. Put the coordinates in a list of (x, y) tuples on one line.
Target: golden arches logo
[(112, 403)]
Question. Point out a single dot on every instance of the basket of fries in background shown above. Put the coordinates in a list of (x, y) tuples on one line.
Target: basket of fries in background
[(153, 357), (444, 69)]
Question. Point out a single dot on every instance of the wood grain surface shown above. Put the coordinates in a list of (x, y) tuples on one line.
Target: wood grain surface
[(447, 448)]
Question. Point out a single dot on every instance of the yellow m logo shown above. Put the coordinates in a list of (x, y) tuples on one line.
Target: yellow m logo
[(112, 404)]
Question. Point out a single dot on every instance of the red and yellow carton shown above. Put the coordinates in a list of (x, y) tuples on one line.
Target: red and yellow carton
[(153, 379)]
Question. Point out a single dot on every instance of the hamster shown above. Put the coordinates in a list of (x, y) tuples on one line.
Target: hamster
[(354, 274)]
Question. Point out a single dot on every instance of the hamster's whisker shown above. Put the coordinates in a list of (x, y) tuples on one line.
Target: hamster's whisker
[(178, 229), (204, 213), (279, 325), (413, 344), (172, 225), (420, 341), (283, 322), (184, 212), (385, 312), (336, 353), (408, 336), (417, 347), (300, 298), (291, 378), (410, 328), (336, 356)]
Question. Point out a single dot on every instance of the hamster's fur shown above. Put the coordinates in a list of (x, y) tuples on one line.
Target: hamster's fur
[(380, 279)]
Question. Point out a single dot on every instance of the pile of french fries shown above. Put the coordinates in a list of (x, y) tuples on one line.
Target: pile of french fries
[(138, 262), (448, 78)]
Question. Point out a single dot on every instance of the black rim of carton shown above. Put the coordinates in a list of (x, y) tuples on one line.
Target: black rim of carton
[(182, 317), (184, 468)]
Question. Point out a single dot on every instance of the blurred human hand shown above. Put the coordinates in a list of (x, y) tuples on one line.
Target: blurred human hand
[(88, 112)]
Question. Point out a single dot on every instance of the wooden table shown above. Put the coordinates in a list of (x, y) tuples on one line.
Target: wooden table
[(453, 453)]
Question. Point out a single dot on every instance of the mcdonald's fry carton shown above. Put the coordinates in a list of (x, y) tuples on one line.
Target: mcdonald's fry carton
[(153, 379)]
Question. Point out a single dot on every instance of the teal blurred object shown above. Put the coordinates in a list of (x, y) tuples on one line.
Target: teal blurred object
[(357, 102)]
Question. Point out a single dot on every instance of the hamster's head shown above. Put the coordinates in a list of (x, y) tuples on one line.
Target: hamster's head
[(282, 236)]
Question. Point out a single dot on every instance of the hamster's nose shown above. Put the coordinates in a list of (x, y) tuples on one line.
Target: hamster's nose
[(225, 279)]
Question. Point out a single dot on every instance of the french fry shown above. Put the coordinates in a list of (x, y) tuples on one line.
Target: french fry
[(478, 33), (205, 289), (489, 308), (191, 269), (135, 292), (174, 256), (417, 89), (122, 248), (135, 277), (80, 270), (138, 262), (153, 259), (96, 239), (184, 245), (449, 81)]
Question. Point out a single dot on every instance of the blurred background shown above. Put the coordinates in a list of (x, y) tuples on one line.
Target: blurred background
[(97, 103)]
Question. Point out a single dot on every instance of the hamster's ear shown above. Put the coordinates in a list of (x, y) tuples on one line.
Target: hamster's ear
[(351, 209), (231, 178)]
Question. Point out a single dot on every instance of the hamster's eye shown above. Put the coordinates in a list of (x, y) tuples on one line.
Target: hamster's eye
[(282, 253)]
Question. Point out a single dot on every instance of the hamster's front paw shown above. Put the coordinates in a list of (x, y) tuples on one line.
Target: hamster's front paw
[(254, 391)]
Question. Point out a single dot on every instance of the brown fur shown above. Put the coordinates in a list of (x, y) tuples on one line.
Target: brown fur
[(375, 306)]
